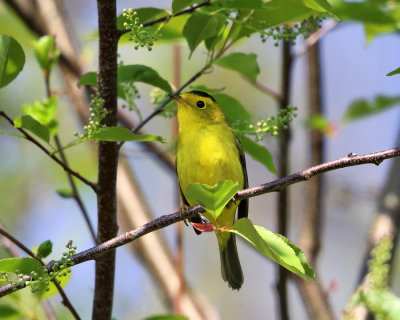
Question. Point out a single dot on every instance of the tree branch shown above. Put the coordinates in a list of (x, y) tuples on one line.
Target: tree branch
[(52, 156), (273, 186), (166, 18), (66, 302), (107, 227), (283, 170)]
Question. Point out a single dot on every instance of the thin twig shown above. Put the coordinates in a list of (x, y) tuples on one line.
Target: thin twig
[(52, 156), (274, 94), (162, 19), (75, 192), (20, 245), (273, 186)]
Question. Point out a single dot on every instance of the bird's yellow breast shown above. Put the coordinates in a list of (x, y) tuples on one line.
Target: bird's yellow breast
[(208, 155)]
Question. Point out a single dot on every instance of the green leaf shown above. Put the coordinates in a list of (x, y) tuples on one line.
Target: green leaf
[(291, 255), (199, 27), (29, 123), (44, 112), (8, 312), (123, 134), (319, 5), (22, 265), (280, 12), (130, 73), (12, 59), (166, 317), (243, 63), (46, 52), (179, 5), (274, 246), (241, 4), (392, 73), (88, 79), (44, 249), (173, 29), (212, 198), (65, 192), (361, 11), (258, 153), (363, 108), (141, 73)]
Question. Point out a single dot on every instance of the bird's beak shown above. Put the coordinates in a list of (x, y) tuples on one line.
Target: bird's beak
[(177, 98)]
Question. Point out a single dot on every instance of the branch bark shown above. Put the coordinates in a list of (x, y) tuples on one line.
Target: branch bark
[(273, 186), (107, 227), (314, 296)]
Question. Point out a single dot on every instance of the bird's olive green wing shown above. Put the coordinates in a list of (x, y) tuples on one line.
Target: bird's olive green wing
[(243, 210)]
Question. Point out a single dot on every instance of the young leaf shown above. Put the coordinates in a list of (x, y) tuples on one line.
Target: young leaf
[(130, 73), (291, 255), (88, 79), (178, 5), (363, 108), (29, 123), (280, 12), (44, 249), (46, 52), (22, 265), (12, 59), (123, 134), (141, 73), (44, 112), (243, 63), (242, 4), (319, 5), (275, 247), (392, 73), (258, 153), (9, 312), (212, 198), (199, 27), (361, 11), (65, 193)]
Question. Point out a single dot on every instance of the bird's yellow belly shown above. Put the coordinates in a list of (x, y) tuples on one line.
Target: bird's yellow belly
[(207, 160)]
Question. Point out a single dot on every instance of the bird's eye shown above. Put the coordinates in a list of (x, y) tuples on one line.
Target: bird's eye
[(200, 104)]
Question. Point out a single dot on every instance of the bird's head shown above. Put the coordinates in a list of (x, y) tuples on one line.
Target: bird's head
[(198, 107)]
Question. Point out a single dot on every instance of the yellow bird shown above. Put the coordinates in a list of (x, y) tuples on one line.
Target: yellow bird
[(209, 152)]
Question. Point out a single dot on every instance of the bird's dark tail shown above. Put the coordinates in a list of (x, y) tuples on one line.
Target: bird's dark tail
[(230, 264)]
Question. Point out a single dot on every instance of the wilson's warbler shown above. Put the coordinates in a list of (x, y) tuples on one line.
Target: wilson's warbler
[(208, 152)]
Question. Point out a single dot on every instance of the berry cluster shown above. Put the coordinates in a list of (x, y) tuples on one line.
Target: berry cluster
[(41, 282), (97, 114), (290, 32), (137, 33)]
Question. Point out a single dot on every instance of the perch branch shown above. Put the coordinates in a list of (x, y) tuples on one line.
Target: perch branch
[(273, 186)]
